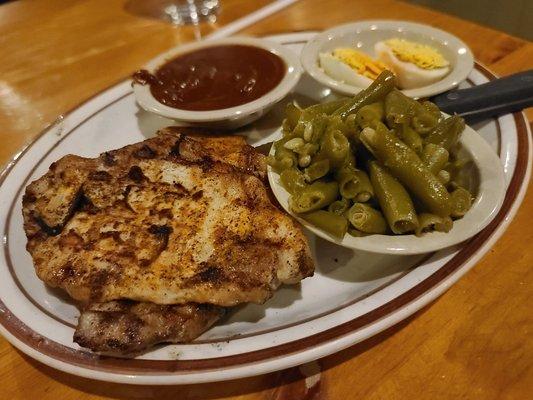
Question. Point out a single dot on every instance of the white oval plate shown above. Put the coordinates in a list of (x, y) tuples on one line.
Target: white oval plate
[(299, 324), (365, 34), (487, 176)]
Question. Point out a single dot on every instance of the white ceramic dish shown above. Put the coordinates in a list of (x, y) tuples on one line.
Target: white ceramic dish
[(299, 324), (364, 35), (227, 118), (488, 183)]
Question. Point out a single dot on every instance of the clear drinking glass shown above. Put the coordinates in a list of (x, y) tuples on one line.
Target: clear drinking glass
[(178, 12)]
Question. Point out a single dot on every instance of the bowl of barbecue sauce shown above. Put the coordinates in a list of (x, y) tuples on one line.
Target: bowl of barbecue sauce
[(223, 83)]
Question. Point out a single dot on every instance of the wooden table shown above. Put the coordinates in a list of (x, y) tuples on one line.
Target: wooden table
[(472, 343)]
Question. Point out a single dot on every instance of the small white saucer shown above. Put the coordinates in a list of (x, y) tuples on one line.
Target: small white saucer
[(488, 185), (364, 35), (227, 118)]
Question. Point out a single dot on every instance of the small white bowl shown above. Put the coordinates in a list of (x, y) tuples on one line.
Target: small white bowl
[(226, 118), (364, 35), (487, 178)]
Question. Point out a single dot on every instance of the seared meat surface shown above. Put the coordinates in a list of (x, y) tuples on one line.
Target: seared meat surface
[(156, 238), (167, 221), (126, 327)]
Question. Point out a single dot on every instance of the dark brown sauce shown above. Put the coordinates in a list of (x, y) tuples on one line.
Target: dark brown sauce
[(215, 77)]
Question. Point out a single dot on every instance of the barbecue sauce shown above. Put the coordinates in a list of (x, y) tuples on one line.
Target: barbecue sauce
[(214, 77)]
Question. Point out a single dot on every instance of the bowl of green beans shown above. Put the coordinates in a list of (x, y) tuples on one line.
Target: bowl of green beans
[(384, 173)]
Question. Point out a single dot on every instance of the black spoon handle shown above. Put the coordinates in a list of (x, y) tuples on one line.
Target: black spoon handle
[(500, 96)]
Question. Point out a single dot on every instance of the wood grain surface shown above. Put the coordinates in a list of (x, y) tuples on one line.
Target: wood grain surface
[(474, 342)]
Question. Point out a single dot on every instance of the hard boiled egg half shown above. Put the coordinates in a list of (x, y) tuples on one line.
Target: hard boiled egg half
[(350, 66), (415, 65)]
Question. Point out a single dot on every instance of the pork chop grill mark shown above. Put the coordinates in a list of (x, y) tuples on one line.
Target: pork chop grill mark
[(28, 198), (49, 230), (198, 195), (56, 230), (136, 174), (108, 159), (115, 235), (206, 163), (85, 205), (166, 213), (66, 272), (162, 232), (145, 152), (210, 273), (101, 176), (175, 149), (72, 240)]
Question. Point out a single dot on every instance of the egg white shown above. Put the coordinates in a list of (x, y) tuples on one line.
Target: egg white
[(409, 75), (342, 72)]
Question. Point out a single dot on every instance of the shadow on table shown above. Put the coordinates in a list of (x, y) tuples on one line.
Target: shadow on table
[(286, 384)]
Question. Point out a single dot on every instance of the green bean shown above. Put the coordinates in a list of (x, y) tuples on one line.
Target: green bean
[(339, 207), (354, 183), (283, 153), (399, 109), (454, 167), (351, 122), (407, 167), (447, 132), (315, 196), (292, 115), (308, 149), (348, 181), (349, 161), (286, 129), (369, 113), (304, 161), (271, 160), (424, 120), (435, 157), (308, 121), (432, 109), (334, 146), (378, 125), (411, 138), (292, 180), (377, 90), (393, 199), (366, 219), (352, 130), (461, 202), (278, 144), (444, 176), (365, 190), (336, 123), (317, 170), (431, 222), (319, 124), (333, 224), (355, 233), (326, 108), (283, 158), (297, 131)]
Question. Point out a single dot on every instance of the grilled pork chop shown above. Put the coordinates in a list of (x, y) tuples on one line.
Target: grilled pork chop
[(126, 327), (171, 220)]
